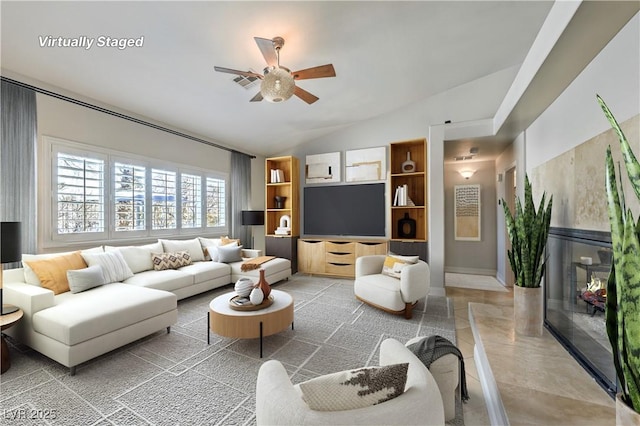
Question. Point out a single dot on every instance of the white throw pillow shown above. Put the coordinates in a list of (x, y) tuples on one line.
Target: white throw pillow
[(138, 258), (114, 267), (351, 389), (192, 246), (30, 277), (85, 279), (208, 242), (212, 251)]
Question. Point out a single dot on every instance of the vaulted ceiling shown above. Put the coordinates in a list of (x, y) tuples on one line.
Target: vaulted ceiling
[(387, 55)]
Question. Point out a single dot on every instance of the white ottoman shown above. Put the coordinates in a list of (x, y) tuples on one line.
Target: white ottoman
[(445, 371)]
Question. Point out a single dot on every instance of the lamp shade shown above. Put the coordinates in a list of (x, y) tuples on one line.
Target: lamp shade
[(10, 242), (467, 173), (252, 217)]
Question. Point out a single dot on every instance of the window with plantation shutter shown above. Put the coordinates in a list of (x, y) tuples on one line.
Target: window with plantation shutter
[(191, 198), (130, 197), (215, 201), (163, 199), (100, 196), (79, 183)]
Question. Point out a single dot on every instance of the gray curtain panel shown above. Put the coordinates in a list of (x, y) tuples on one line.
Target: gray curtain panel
[(18, 196), (240, 195)]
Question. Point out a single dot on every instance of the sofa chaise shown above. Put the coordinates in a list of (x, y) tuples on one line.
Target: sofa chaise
[(74, 327)]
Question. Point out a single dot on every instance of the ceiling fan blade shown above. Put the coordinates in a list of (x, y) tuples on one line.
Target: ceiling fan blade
[(305, 96), (257, 97), (244, 73), (315, 72), (268, 50)]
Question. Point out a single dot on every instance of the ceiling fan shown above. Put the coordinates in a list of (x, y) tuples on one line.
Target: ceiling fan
[(278, 82)]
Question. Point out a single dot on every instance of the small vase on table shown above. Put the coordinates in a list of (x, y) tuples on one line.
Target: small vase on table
[(263, 285)]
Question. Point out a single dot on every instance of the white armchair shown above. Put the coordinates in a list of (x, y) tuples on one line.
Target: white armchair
[(279, 402), (397, 296)]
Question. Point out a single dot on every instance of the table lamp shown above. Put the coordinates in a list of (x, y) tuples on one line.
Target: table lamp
[(251, 218), (10, 251)]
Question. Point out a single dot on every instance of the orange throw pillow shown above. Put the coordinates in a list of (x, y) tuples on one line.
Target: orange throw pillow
[(52, 272), (226, 240)]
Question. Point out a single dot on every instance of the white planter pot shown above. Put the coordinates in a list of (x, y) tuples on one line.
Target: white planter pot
[(527, 311)]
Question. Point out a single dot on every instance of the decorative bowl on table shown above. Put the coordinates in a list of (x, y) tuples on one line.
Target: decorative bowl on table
[(238, 303)]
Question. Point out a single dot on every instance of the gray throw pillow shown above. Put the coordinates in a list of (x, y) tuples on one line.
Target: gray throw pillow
[(229, 253), (85, 279)]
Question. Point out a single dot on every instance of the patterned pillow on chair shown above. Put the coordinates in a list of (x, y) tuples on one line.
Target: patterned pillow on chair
[(351, 389)]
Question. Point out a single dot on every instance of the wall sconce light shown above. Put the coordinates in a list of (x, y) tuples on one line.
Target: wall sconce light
[(467, 173)]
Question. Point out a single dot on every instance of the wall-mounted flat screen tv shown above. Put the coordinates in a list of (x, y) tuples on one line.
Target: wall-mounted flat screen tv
[(350, 210)]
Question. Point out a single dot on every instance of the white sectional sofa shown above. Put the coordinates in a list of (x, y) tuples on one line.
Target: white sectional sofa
[(72, 328)]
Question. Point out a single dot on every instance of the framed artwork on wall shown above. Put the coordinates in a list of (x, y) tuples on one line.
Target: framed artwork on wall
[(367, 164), (467, 212), (322, 168)]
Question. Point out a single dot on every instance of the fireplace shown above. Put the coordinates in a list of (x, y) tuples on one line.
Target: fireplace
[(574, 309)]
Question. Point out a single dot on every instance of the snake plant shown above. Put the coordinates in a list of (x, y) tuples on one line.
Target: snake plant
[(528, 232), (623, 286)]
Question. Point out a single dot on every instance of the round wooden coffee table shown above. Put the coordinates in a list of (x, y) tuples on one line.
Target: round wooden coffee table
[(228, 322), (7, 321)]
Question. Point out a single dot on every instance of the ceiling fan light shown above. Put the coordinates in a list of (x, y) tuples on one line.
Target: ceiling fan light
[(278, 85)]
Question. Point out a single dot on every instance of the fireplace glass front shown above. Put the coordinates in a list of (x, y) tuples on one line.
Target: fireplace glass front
[(578, 266)]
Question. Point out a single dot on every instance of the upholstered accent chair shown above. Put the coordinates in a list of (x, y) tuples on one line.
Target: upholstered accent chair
[(279, 402), (397, 295), (446, 372)]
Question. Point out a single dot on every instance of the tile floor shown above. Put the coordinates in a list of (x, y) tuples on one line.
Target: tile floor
[(523, 402), (475, 411)]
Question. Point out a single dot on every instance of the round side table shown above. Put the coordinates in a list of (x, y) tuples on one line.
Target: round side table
[(227, 322), (7, 321)]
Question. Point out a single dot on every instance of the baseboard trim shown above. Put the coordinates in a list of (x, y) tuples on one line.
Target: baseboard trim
[(471, 271)]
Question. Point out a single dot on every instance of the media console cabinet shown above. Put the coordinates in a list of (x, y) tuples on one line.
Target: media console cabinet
[(335, 256)]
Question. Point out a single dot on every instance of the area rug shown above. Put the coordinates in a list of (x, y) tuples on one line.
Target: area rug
[(178, 379), (473, 282)]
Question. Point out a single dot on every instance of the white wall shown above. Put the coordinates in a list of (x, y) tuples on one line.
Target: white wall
[(504, 162), (471, 257), (65, 120), (575, 116)]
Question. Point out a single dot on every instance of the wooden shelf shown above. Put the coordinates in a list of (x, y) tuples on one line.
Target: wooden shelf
[(289, 189), (416, 183)]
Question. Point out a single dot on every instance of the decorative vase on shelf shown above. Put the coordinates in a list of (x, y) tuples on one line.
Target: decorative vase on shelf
[(407, 227), (280, 201), (408, 166), (263, 285)]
